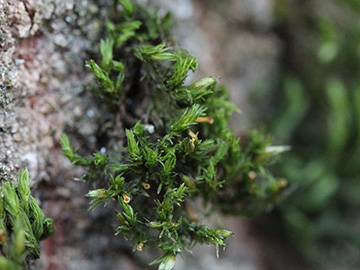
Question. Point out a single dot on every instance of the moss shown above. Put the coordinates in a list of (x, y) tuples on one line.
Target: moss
[(179, 145), (22, 224)]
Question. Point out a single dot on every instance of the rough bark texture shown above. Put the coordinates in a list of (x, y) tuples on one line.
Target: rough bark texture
[(43, 46)]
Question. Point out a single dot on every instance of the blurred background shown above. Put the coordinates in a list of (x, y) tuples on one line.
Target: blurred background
[(291, 66)]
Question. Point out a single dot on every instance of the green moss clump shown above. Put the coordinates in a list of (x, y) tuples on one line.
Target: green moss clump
[(22, 224), (181, 149)]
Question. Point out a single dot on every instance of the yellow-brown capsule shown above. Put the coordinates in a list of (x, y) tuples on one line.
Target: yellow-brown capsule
[(140, 246), (145, 185), (194, 137), (126, 198), (282, 183), (206, 119), (252, 175)]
